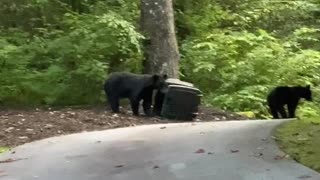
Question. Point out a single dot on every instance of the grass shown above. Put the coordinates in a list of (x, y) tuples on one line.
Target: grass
[(301, 140), (4, 149)]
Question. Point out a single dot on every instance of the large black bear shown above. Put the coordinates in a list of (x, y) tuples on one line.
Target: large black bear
[(290, 96), (135, 87)]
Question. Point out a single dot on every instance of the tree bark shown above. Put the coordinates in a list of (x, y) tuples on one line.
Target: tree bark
[(161, 47)]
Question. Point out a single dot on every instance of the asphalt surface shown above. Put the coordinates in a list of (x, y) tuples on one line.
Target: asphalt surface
[(231, 150)]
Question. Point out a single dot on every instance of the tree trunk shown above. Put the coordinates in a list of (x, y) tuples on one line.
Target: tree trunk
[(161, 48)]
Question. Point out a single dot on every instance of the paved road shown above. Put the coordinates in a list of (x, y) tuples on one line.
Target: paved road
[(158, 153)]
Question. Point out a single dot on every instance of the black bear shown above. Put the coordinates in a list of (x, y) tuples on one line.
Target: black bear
[(135, 87), (290, 96)]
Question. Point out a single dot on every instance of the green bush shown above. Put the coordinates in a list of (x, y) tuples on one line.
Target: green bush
[(237, 70), (67, 67), (59, 52)]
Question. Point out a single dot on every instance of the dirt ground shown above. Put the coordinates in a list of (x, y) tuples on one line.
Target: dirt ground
[(22, 126)]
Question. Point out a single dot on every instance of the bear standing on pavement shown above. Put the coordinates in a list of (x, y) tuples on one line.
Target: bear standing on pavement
[(134, 87)]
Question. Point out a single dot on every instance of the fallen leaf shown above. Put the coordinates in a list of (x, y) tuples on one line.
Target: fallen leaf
[(115, 115), (234, 151), (200, 151), (156, 167), (23, 137), (118, 166), (304, 177), (258, 155), (48, 126), (273, 137), (278, 157), (8, 130), (163, 127)]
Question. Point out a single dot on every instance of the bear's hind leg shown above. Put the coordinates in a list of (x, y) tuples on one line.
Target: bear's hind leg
[(114, 103)]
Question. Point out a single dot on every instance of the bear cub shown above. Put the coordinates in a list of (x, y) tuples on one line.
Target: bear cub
[(135, 87), (290, 96)]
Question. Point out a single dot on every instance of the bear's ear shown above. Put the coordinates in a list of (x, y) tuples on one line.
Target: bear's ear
[(165, 76), (308, 86), (155, 78)]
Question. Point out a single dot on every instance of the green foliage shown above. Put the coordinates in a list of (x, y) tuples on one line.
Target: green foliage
[(69, 66), (197, 17), (236, 51), (237, 70), (59, 52)]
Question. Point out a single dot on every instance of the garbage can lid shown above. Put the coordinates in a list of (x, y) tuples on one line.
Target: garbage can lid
[(178, 82), (185, 87)]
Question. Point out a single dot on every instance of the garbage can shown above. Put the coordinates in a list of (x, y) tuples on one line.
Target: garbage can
[(180, 102), (159, 97)]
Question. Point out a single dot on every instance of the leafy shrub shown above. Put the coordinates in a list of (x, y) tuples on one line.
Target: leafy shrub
[(69, 66), (237, 70)]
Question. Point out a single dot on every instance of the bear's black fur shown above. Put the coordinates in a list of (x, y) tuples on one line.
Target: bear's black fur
[(158, 101), (135, 87), (290, 96)]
